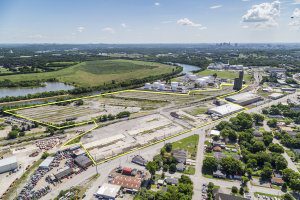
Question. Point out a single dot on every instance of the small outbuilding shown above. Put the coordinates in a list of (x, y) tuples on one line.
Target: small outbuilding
[(108, 191)]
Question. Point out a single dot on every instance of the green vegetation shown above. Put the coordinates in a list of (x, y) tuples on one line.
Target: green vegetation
[(99, 72), (190, 170), (184, 190), (197, 111), (224, 74), (189, 144)]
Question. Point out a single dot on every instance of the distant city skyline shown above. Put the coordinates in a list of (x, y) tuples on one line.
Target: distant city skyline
[(149, 21)]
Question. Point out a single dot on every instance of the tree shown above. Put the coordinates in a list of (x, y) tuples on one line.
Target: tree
[(277, 148), (172, 168), (222, 125), (267, 138), (231, 166), (266, 173), (272, 123), (232, 136), (22, 133), (295, 185), (258, 146), (210, 164), (241, 122), (234, 189), (185, 180), (13, 134), (168, 147), (284, 187), (241, 191), (151, 167), (258, 118), (165, 168), (45, 155), (288, 196)]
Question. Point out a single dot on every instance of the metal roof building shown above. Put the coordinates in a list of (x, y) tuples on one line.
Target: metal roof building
[(46, 163), (244, 99), (225, 110), (8, 164), (108, 191), (83, 161)]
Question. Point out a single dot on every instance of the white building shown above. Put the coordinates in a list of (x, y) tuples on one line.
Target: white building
[(215, 133), (148, 86), (244, 99), (162, 86), (46, 163), (8, 164), (225, 110), (108, 191), (174, 85)]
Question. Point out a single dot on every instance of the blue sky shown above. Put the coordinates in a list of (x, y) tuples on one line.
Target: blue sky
[(149, 21)]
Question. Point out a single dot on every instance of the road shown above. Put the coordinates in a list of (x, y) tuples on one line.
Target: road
[(149, 152)]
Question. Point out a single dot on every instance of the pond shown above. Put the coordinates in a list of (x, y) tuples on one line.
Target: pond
[(188, 68), (49, 86)]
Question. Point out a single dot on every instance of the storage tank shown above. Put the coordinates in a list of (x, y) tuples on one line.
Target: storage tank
[(148, 86), (162, 87), (192, 77), (201, 81), (156, 85), (174, 85)]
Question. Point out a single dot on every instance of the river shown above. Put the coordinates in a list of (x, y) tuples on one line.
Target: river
[(49, 86), (188, 68)]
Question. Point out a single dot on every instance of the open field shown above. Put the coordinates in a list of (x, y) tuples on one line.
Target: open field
[(189, 144), (94, 73), (224, 74), (157, 96)]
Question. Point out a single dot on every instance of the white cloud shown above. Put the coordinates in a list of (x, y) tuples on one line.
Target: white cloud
[(80, 29), (108, 30), (296, 2), (124, 25), (263, 15), (245, 26), (245, 0), (295, 19), (36, 36), (215, 6), (157, 4), (187, 22)]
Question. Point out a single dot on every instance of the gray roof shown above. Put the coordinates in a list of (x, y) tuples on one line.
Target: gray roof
[(46, 163), (8, 161), (171, 181), (83, 161)]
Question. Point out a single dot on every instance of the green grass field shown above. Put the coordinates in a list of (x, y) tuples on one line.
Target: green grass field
[(189, 144), (224, 74), (94, 73)]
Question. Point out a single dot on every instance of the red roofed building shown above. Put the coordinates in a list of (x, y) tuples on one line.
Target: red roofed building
[(127, 171)]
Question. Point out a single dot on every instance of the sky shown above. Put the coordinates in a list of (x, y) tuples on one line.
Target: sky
[(149, 21)]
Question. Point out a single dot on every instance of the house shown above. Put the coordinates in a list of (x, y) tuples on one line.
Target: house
[(220, 144), (180, 167), (217, 149), (219, 174), (215, 133), (277, 181), (180, 155), (171, 181), (223, 196), (219, 155), (139, 160)]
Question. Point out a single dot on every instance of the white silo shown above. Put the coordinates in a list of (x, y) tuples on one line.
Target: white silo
[(174, 85), (162, 87), (156, 85), (148, 86)]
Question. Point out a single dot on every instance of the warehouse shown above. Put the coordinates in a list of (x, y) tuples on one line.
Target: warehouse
[(108, 191), (8, 164), (63, 172), (244, 99), (225, 110), (275, 96), (46, 163), (83, 161)]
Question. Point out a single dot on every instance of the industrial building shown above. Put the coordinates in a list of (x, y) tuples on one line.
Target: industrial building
[(83, 161), (244, 99), (63, 172), (275, 96), (238, 82), (46, 163), (225, 110), (8, 164), (108, 191)]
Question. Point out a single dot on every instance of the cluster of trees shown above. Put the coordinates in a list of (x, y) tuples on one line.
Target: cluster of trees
[(292, 179), (253, 150), (285, 110), (109, 117), (289, 141), (164, 160), (15, 132), (184, 191), (32, 83)]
